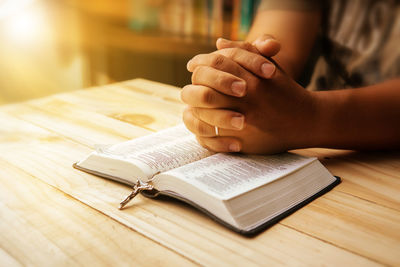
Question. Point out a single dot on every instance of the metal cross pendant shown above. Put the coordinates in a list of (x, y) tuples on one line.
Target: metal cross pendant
[(139, 187)]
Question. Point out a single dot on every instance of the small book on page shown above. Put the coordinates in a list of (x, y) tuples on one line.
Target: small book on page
[(246, 193)]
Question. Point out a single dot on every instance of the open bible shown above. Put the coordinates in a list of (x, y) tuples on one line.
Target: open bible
[(247, 193)]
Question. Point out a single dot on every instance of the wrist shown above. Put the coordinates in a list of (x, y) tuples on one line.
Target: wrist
[(319, 119), (329, 117), (306, 130), (313, 119)]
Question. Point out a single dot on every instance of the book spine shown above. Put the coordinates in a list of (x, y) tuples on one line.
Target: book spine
[(255, 7), (188, 18), (217, 19), (137, 21), (227, 19), (246, 18), (235, 19), (201, 18), (164, 19)]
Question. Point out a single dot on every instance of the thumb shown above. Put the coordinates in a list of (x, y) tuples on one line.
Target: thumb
[(225, 43), (267, 45)]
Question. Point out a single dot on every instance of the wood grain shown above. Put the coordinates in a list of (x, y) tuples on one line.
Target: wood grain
[(172, 224), (41, 226), (357, 224), (373, 176), (349, 223)]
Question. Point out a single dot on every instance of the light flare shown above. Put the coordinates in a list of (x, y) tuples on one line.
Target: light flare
[(20, 22)]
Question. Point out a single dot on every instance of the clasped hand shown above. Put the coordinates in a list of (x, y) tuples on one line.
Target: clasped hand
[(255, 105)]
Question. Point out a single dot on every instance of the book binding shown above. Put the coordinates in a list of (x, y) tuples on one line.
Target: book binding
[(147, 190)]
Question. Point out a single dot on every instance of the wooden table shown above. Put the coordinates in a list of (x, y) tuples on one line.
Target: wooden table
[(52, 214)]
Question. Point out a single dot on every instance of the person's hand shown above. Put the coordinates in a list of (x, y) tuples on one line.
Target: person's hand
[(235, 56), (265, 45), (255, 105)]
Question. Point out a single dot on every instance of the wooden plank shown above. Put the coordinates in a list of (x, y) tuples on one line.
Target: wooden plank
[(373, 176), (363, 227), (162, 90), (41, 226), (85, 127), (133, 96), (7, 260), (124, 115), (122, 104), (334, 161), (179, 227)]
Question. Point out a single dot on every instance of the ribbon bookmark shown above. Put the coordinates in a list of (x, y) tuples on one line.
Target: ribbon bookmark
[(139, 187)]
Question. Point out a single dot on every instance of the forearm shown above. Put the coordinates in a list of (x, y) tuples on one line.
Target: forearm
[(363, 118), (295, 30)]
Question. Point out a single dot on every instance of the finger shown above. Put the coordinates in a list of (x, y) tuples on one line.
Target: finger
[(222, 118), (220, 144), (196, 126), (206, 135), (252, 62), (224, 43), (216, 61), (267, 45), (205, 97), (224, 64), (221, 81)]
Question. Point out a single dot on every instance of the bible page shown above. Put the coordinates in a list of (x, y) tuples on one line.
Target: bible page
[(229, 175), (159, 152)]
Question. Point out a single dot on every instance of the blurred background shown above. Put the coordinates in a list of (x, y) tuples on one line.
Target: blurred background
[(51, 46)]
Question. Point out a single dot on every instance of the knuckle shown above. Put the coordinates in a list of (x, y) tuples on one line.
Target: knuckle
[(207, 96), (217, 60), (247, 46)]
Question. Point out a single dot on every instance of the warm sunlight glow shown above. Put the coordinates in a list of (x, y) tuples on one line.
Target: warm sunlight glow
[(20, 21), (9, 8), (25, 26)]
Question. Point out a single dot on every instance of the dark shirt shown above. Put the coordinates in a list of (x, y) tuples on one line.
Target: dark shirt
[(359, 41)]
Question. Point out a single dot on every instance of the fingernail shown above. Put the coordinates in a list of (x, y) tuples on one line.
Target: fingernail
[(238, 88), (238, 122), (234, 147), (268, 70)]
